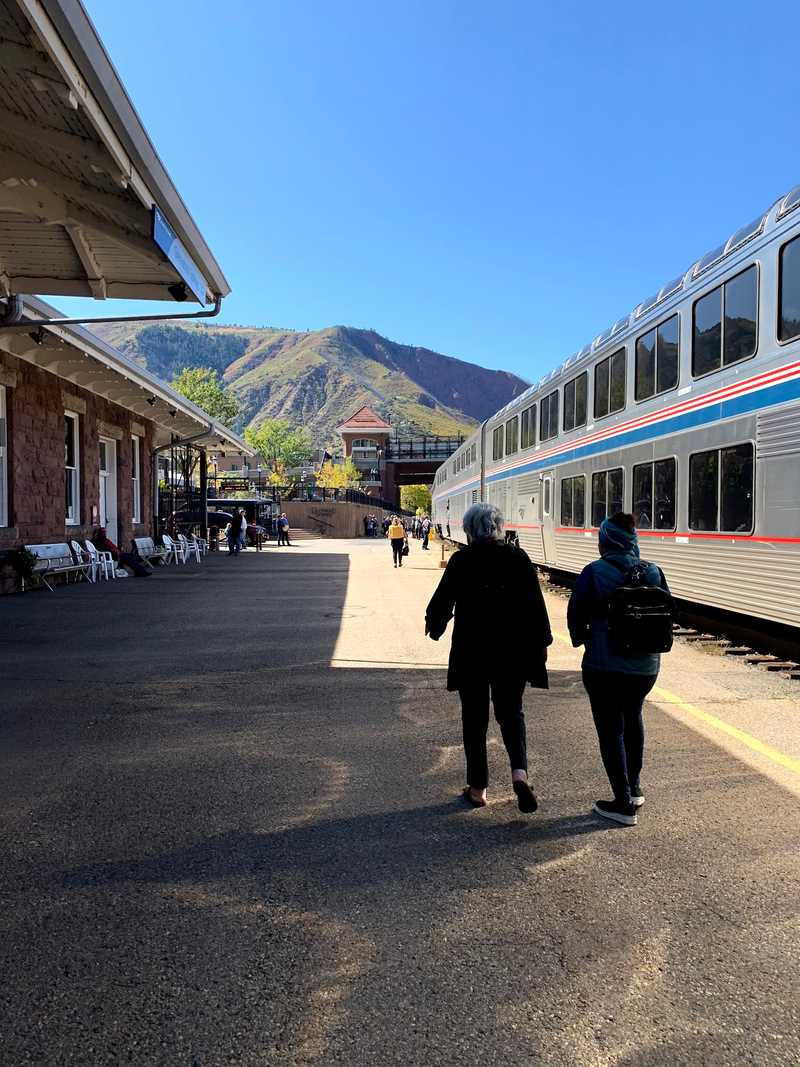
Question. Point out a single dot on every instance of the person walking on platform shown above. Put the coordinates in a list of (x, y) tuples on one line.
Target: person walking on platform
[(425, 531), (500, 638), (397, 538), (233, 532), (617, 677)]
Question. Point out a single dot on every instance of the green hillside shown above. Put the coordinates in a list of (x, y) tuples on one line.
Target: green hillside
[(320, 377)]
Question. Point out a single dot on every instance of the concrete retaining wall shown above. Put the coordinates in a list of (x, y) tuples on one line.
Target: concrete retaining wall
[(330, 518)]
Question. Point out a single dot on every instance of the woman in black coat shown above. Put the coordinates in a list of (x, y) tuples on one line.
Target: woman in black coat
[(500, 638)]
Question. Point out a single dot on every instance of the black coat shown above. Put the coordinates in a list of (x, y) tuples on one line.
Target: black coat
[(501, 626)]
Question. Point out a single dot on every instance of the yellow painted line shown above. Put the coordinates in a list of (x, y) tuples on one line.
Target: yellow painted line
[(741, 736), (767, 751)]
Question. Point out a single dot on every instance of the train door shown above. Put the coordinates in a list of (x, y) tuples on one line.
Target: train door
[(547, 507)]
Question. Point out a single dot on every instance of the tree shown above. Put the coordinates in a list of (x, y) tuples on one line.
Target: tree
[(202, 386), (415, 496), (342, 475), (281, 446)]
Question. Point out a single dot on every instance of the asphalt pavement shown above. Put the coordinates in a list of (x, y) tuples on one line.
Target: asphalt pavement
[(232, 834)]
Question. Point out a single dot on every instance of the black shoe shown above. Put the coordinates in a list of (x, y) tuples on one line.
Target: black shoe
[(614, 811), (526, 798)]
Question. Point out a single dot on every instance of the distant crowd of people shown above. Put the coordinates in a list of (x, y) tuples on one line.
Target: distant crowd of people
[(420, 527)]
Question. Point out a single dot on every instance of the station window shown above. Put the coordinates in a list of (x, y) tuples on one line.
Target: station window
[(136, 484), (497, 443), (548, 424), (512, 436), (725, 324), (721, 486), (573, 501), (528, 427), (609, 384), (789, 291), (607, 494), (654, 495), (72, 508), (575, 402), (657, 360)]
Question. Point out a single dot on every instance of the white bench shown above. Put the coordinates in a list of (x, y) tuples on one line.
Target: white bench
[(57, 559), (147, 549)]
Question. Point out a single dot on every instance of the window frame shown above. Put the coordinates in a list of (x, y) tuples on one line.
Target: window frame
[(512, 423), (572, 525), (656, 328), (720, 449), (4, 494), (651, 463), (526, 411), (574, 382), (548, 397), (721, 285), (607, 359), (779, 302), (136, 479), (498, 434), (606, 471), (76, 475)]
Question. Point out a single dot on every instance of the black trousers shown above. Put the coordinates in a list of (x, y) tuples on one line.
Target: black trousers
[(283, 537), (506, 697), (397, 549), (617, 701)]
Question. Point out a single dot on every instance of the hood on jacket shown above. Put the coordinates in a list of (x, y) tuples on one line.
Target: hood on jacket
[(614, 539)]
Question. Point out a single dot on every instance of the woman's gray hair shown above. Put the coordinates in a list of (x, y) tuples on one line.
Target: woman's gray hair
[(483, 522)]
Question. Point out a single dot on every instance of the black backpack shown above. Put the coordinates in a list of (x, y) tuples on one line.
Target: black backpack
[(639, 615)]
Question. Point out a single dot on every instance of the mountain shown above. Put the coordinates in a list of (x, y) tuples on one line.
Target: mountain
[(318, 378)]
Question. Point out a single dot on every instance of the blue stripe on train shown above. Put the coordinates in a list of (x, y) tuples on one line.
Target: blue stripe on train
[(727, 409)]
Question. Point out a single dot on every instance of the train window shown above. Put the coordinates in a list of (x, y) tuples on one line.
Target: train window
[(512, 435), (474, 452), (497, 443), (548, 424), (607, 494), (575, 397), (657, 360), (528, 427), (721, 489), (474, 496), (546, 498), (789, 291), (609, 384), (725, 324), (654, 495), (573, 501)]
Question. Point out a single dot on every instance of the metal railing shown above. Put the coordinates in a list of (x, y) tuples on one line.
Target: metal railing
[(422, 447)]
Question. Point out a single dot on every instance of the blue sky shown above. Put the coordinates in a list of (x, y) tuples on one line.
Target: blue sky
[(499, 182)]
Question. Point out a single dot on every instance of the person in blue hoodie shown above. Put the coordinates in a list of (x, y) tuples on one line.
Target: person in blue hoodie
[(616, 684)]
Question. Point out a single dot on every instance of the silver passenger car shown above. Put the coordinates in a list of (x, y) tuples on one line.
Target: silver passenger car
[(685, 412)]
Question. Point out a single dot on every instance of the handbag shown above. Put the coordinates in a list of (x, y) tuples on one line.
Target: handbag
[(405, 548)]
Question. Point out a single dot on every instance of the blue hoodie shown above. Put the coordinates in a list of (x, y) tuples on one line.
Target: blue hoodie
[(586, 615)]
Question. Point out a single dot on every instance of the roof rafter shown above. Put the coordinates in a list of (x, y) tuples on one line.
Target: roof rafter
[(94, 275), (70, 144)]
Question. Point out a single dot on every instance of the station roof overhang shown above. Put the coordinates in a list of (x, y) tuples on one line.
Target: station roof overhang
[(86, 205), (78, 356)]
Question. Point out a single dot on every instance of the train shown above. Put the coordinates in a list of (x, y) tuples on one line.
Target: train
[(686, 412)]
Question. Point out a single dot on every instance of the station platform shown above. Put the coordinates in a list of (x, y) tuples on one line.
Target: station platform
[(232, 833)]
